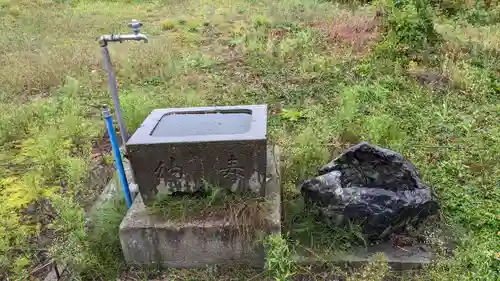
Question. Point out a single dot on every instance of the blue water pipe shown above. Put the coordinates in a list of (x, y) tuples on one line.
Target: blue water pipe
[(117, 155)]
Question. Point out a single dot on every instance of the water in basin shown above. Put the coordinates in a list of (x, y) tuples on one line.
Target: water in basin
[(195, 123)]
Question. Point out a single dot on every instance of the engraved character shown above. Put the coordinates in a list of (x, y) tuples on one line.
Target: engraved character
[(234, 172), (160, 177), (175, 172)]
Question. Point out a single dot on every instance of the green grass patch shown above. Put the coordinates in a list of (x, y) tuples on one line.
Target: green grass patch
[(91, 250), (317, 236)]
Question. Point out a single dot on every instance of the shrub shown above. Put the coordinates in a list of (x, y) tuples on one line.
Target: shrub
[(409, 30)]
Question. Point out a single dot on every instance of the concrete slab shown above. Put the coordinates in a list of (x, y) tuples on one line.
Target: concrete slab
[(150, 240), (403, 258)]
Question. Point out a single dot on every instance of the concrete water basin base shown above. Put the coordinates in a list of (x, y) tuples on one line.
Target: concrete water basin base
[(152, 240)]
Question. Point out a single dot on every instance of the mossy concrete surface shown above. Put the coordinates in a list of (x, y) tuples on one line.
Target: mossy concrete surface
[(399, 258)]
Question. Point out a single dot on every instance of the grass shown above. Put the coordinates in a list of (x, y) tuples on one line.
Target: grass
[(95, 251), (212, 202), (315, 236), (419, 79), (247, 212)]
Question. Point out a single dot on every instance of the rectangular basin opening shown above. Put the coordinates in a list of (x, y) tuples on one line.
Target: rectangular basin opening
[(196, 123)]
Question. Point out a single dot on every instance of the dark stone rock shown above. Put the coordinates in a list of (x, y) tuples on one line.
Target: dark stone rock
[(371, 186), (184, 149)]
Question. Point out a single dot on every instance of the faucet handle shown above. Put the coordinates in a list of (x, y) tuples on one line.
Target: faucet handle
[(135, 25)]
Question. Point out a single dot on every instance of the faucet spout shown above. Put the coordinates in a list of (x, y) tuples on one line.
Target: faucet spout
[(135, 36), (122, 37), (142, 37)]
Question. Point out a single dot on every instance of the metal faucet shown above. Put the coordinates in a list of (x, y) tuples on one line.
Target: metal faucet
[(136, 36), (103, 41)]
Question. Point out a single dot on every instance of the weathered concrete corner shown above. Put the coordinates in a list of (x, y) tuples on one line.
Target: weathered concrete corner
[(150, 240)]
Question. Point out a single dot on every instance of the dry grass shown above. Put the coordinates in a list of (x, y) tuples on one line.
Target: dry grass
[(247, 213), (251, 218), (358, 33), (38, 54), (487, 36)]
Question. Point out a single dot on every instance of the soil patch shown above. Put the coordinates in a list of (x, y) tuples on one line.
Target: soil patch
[(358, 33)]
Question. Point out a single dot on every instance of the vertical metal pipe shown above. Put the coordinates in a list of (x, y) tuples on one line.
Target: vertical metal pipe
[(114, 93), (117, 155)]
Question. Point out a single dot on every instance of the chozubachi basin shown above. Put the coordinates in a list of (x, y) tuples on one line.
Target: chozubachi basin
[(183, 149)]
